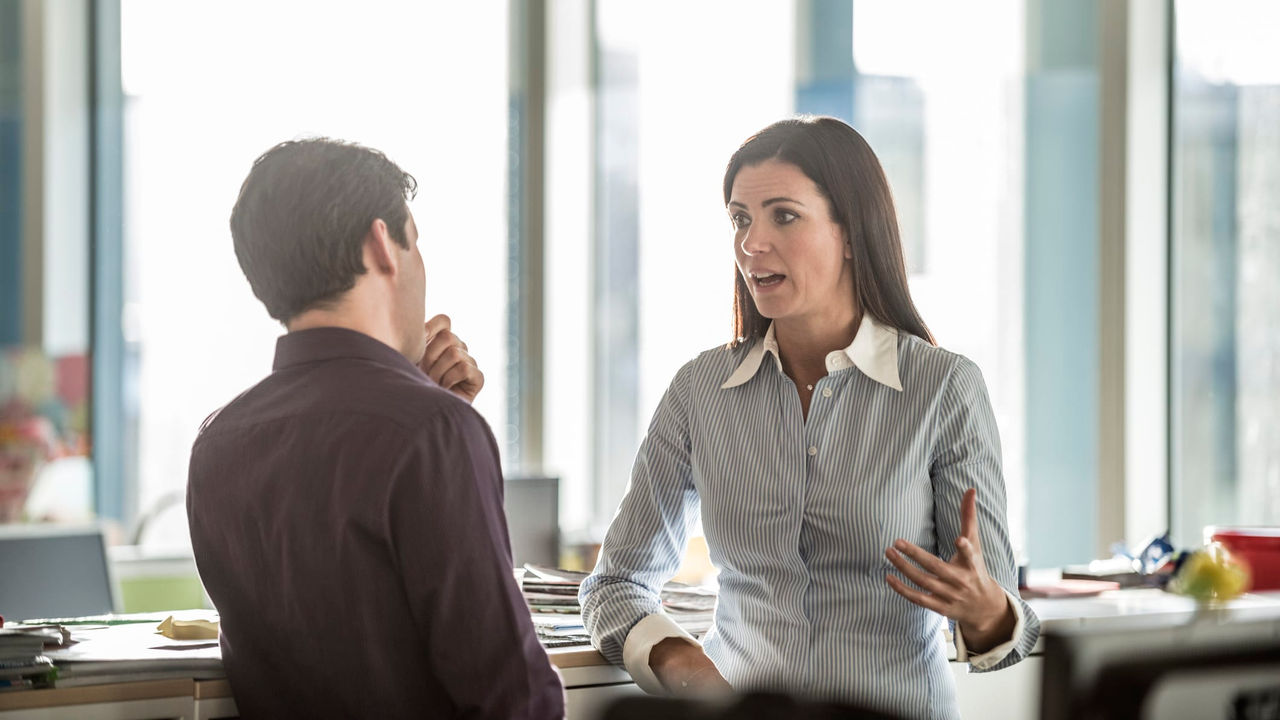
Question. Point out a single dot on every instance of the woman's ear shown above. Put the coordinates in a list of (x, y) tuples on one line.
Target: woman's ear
[(848, 250)]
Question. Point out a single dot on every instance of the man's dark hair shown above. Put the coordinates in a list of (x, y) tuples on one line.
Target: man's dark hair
[(302, 216)]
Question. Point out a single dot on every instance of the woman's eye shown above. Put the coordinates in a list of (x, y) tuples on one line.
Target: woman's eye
[(782, 217), (739, 220)]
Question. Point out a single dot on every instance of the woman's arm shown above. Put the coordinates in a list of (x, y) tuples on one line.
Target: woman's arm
[(621, 605), (977, 587), (684, 669)]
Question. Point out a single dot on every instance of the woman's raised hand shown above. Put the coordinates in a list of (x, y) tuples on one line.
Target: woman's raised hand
[(961, 588)]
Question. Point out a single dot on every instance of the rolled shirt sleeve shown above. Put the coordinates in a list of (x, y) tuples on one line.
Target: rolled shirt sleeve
[(989, 659), (647, 633)]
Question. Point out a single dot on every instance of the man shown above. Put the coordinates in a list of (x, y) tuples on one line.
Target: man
[(346, 511)]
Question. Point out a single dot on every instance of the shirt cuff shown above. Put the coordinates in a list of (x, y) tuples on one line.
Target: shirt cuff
[(650, 631), (983, 661)]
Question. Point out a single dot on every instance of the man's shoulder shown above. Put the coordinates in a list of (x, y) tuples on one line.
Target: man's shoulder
[(378, 395), (405, 397)]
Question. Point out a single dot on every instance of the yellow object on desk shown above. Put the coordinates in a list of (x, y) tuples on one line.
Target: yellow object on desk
[(188, 629), (1210, 574)]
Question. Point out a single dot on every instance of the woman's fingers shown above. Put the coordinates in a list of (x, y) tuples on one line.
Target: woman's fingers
[(955, 589), (969, 518), (928, 602), (925, 581), (971, 556), (927, 560)]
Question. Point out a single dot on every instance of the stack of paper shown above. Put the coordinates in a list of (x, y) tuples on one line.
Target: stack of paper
[(552, 590), (131, 652), (693, 608), (552, 594), (22, 661)]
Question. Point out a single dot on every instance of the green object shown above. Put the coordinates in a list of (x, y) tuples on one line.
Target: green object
[(146, 594), (1210, 574)]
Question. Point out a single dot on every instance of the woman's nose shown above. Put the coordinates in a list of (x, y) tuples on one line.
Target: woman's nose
[(754, 241)]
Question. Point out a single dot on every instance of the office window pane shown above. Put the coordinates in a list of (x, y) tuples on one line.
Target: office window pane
[(674, 100), (1226, 259), (946, 118), (45, 472), (210, 86), (648, 284)]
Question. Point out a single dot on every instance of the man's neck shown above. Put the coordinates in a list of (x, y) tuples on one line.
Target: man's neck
[(349, 320)]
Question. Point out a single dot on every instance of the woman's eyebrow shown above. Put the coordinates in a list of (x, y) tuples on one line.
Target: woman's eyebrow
[(766, 203), (771, 201)]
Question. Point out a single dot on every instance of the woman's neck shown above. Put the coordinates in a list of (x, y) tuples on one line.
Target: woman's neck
[(803, 343)]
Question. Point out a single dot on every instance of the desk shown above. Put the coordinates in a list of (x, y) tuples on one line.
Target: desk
[(591, 683), (147, 699)]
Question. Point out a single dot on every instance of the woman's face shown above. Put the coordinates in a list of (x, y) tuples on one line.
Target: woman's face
[(790, 252)]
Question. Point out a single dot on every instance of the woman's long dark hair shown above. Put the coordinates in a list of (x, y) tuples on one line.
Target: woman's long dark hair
[(836, 158)]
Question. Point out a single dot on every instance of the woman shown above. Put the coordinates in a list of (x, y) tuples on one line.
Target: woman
[(846, 469)]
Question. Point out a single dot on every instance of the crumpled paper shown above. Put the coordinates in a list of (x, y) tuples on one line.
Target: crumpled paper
[(188, 629)]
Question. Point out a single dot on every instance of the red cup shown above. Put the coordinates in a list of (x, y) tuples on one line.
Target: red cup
[(1256, 547)]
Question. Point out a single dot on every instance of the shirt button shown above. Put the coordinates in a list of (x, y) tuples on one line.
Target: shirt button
[(813, 451), (826, 392)]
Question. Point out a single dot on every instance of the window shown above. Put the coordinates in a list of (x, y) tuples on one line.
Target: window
[(674, 100), (991, 150), (424, 82), (1225, 302), (45, 473)]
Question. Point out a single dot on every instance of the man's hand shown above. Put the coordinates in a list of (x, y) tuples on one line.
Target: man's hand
[(961, 589), (447, 362), (684, 670)]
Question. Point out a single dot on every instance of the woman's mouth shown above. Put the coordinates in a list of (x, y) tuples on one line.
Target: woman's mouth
[(767, 280)]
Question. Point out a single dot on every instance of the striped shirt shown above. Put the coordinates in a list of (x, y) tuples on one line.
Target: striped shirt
[(797, 514)]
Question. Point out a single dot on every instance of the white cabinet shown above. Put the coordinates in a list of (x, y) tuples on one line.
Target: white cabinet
[(589, 703), (1009, 694), (590, 689)]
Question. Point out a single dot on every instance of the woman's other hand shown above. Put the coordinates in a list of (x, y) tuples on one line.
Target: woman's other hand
[(685, 670), (960, 589)]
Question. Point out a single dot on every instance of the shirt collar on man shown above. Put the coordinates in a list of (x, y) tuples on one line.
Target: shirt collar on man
[(874, 351), (331, 343)]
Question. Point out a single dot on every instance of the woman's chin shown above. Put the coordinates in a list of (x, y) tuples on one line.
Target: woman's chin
[(772, 310)]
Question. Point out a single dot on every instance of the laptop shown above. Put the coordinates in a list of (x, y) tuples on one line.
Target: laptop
[(53, 571)]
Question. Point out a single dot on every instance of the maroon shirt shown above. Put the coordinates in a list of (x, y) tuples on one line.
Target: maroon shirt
[(346, 516)]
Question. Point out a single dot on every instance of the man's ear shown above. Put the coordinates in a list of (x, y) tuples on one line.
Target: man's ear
[(379, 249)]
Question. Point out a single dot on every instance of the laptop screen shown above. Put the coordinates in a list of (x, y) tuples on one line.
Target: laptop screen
[(48, 572)]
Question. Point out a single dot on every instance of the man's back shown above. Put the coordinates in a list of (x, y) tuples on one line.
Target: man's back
[(346, 515)]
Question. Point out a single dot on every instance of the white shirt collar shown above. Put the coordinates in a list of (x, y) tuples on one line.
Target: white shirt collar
[(874, 351)]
